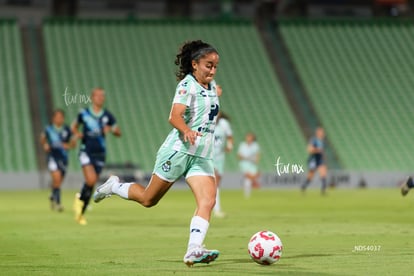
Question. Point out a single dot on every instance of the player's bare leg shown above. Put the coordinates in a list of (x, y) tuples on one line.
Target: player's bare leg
[(308, 180), (204, 190), (146, 196), (217, 207), (150, 195), (255, 181)]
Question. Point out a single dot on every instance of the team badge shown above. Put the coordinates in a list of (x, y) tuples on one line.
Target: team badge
[(166, 167), (182, 92)]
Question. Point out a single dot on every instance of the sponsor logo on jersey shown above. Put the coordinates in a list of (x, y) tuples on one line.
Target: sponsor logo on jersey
[(182, 92)]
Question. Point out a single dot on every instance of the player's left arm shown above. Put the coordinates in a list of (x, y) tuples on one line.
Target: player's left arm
[(44, 143), (112, 126), (219, 90), (116, 131), (229, 143), (70, 143), (257, 158)]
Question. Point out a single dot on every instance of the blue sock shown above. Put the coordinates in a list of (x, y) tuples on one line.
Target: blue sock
[(323, 184), (305, 184), (56, 195), (85, 196)]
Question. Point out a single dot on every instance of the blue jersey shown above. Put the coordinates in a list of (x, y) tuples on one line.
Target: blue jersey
[(56, 137), (318, 144), (316, 159), (93, 140)]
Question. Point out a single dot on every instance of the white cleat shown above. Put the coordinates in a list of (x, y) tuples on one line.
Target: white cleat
[(105, 190), (200, 254)]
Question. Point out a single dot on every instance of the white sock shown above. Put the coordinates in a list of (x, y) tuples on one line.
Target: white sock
[(198, 231), (247, 185), (121, 189), (217, 207)]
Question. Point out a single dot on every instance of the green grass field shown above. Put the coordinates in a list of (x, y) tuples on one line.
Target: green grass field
[(321, 235)]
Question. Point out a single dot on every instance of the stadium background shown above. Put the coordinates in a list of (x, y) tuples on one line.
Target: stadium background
[(286, 67)]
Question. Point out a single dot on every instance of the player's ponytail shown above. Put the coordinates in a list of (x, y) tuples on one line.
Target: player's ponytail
[(193, 50)]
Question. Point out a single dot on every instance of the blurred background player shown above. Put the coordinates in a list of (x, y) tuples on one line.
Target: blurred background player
[(316, 160), (249, 155), (407, 185), (188, 149), (223, 143), (96, 122), (56, 141)]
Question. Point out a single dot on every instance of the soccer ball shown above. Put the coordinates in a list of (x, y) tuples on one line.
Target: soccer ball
[(265, 248)]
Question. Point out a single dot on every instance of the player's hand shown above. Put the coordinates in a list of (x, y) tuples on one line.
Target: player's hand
[(107, 129), (78, 135), (116, 131), (46, 147), (66, 146), (191, 136)]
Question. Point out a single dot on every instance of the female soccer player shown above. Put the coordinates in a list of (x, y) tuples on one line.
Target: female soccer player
[(56, 141), (316, 160), (249, 155), (96, 122), (223, 143), (187, 150)]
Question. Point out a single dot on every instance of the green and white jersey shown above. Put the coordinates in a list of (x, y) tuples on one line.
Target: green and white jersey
[(221, 133), (200, 115), (248, 152)]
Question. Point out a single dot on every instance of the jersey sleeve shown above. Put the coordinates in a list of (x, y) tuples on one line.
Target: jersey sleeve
[(111, 119), (79, 118), (69, 136), (183, 94)]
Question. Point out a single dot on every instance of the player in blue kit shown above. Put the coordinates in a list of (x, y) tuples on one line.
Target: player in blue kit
[(188, 149), (96, 122), (56, 140), (316, 160)]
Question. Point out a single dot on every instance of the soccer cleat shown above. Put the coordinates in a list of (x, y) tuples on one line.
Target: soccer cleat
[(52, 204), (77, 208), (59, 208), (404, 186), (200, 254), (81, 220), (105, 190)]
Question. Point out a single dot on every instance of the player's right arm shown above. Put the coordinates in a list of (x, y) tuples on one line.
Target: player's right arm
[(71, 142), (44, 143), (176, 119), (75, 127), (312, 149)]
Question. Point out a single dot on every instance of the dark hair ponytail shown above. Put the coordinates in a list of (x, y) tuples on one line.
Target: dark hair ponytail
[(192, 50)]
